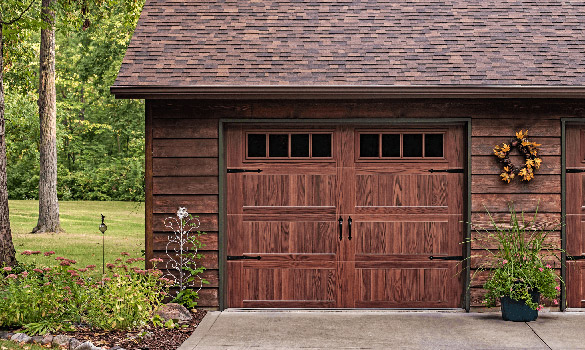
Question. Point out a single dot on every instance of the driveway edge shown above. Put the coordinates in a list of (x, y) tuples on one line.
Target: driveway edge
[(204, 326)]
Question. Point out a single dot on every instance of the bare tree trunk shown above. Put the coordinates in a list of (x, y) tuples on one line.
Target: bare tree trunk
[(48, 204), (7, 253)]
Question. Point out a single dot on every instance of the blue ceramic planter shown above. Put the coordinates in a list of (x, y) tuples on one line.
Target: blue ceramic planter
[(518, 311)]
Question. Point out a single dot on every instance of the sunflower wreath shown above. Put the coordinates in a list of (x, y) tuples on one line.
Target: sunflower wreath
[(530, 152)]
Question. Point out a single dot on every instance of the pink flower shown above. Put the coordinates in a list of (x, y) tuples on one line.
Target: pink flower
[(91, 267), (540, 269), (505, 262), (65, 263), (12, 276), (67, 288), (125, 253), (73, 261), (548, 266), (49, 253), (539, 307), (27, 252), (106, 279), (47, 269), (7, 268), (36, 252), (558, 288), (83, 270), (130, 261), (161, 260), (140, 259), (60, 258), (47, 284), (556, 302), (24, 273), (110, 266), (38, 270), (119, 259)]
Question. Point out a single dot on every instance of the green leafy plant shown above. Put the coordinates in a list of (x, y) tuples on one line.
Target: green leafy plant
[(521, 262), (188, 296), (52, 298)]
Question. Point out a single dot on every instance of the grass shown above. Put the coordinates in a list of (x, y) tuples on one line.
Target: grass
[(10, 345), (82, 240)]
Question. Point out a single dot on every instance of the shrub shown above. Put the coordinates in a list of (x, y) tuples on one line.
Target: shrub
[(47, 299)]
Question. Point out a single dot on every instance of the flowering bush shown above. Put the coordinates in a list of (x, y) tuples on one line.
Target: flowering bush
[(520, 263), (45, 298)]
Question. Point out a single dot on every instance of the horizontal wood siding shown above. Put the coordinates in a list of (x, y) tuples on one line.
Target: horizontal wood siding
[(185, 169), (185, 158)]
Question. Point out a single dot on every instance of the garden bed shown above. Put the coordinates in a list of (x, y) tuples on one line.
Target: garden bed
[(150, 337)]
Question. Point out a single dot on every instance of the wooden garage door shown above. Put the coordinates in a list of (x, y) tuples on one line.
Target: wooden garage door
[(575, 229), (344, 216)]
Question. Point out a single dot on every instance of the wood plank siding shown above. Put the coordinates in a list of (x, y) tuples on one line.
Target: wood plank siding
[(182, 162)]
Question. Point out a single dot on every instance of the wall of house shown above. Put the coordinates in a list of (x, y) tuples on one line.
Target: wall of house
[(183, 157)]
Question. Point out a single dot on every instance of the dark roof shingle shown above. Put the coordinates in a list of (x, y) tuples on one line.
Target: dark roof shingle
[(352, 42)]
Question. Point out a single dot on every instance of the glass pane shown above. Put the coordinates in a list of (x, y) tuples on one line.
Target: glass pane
[(433, 145), (321, 145), (299, 145), (278, 145), (256, 145), (369, 145), (391, 145), (412, 145)]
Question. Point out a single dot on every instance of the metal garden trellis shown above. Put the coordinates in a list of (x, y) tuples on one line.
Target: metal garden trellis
[(177, 249)]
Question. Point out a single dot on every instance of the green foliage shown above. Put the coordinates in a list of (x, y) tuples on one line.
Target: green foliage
[(48, 299), (100, 139), (520, 263)]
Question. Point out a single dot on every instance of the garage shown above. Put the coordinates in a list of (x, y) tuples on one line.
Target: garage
[(344, 215)]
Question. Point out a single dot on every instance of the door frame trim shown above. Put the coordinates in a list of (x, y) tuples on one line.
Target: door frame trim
[(564, 122), (223, 122)]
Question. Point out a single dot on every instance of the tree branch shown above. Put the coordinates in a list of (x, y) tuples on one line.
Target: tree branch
[(19, 17)]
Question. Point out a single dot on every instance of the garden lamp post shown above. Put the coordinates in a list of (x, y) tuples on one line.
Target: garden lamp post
[(103, 229)]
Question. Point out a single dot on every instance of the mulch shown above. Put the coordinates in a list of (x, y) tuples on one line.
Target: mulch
[(147, 338)]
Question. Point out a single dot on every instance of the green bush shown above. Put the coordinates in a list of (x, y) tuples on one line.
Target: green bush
[(48, 299)]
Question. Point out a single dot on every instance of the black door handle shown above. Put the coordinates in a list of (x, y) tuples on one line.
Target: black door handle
[(349, 227), (340, 221)]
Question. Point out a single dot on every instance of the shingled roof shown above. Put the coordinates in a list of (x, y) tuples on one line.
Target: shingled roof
[(356, 43)]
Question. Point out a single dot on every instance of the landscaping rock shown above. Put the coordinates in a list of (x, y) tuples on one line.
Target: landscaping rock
[(37, 339), (175, 312), (8, 336), (4, 335), (47, 339), (117, 348), (73, 343), (87, 346), (61, 340), (21, 338)]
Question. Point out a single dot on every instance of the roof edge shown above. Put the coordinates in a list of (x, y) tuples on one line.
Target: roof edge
[(346, 92)]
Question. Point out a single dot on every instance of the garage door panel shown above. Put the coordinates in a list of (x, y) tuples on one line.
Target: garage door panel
[(311, 285), (289, 237), (402, 237), (289, 190), (406, 190), (576, 284), (409, 285)]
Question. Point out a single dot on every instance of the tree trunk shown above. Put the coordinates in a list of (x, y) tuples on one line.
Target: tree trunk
[(7, 253), (48, 204)]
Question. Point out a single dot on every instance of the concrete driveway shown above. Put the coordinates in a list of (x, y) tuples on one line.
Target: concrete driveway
[(384, 330)]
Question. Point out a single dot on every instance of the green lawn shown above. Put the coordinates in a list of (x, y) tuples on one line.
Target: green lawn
[(82, 240)]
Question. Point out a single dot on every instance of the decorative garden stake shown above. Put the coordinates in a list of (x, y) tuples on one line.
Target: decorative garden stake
[(103, 229), (182, 258)]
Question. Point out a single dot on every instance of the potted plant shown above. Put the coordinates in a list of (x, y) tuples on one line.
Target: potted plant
[(520, 269)]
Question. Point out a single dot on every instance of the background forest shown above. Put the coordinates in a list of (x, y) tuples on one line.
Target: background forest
[(100, 140)]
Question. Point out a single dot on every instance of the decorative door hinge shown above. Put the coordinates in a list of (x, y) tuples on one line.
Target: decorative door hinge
[(575, 170), (446, 171), (580, 257), (243, 257), (445, 257), (244, 171)]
